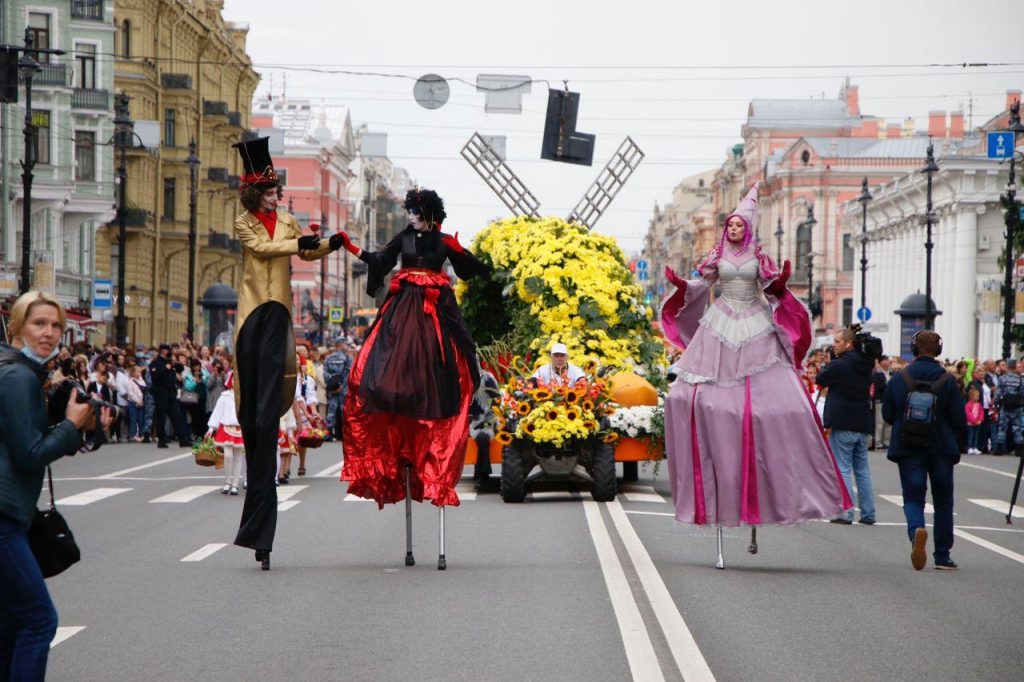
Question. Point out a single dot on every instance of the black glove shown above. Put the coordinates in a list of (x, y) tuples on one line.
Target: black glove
[(309, 242), (337, 241)]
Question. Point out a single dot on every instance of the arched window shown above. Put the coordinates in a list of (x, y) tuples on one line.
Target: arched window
[(126, 39), (803, 247)]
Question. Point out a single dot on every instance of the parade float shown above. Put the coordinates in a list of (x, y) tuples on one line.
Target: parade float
[(558, 282)]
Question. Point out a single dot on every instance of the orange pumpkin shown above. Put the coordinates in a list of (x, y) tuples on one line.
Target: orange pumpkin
[(630, 390)]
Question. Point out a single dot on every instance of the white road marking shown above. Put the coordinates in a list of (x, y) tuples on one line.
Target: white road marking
[(981, 542), (465, 492), (286, 493), (685, 651), (90, 496), (898, 501), (880, 523), (988, 469), (332, 471), (285, 506), (356, 498), (554, 495), (139, 478), (642, 494), (65, 632), (643, 662), (205, 551), (1001, 506), (186, 494), (147, 466)]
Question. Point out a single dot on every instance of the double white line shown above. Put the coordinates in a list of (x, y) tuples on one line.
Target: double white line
[(643, 661)]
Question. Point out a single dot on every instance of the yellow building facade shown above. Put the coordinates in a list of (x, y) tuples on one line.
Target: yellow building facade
[(188, 77)]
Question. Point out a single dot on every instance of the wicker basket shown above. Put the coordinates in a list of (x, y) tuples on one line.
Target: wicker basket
[(206, 453)]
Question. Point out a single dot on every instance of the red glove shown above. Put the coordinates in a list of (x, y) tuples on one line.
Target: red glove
[(778, 286), (453, 243), (341, 239), (675, 279)]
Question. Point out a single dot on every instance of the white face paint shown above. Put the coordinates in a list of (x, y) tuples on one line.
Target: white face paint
[(417, 222), (268, 200)]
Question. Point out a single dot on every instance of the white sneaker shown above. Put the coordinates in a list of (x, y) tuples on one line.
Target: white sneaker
[(226, 489), (234, 490)]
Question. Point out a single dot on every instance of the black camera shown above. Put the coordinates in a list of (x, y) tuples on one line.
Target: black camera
[(869, 346), (58, 405)]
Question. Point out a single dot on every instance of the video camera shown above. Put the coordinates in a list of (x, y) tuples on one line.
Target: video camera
[(869, 346)]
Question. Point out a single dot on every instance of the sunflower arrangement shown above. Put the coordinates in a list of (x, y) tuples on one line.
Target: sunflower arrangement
[(553, 413)]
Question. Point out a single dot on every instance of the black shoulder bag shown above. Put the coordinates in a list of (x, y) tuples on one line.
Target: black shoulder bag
[(51, 540)]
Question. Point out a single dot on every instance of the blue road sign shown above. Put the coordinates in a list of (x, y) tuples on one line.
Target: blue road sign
[(102, 293), (641, 275), (641, 265), (864, 314), (1000, 145)]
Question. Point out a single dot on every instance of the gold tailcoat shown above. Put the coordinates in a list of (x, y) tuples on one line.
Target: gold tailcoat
[(266, 276)]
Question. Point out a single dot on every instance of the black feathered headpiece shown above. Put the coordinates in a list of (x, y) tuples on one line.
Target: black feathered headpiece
[(425, 203)]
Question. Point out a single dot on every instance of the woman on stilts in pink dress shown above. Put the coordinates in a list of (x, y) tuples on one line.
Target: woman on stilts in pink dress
[(744, 443)]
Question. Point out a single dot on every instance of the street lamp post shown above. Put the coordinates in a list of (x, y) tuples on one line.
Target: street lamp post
[(124, 129), (929, 170), (810, 223), (864, 198), (193, 179), (323, 277), (1012, 215), (778, 240), (28, 67)]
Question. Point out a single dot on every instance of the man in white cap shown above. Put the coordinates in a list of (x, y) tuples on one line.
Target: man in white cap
[(559, 370)]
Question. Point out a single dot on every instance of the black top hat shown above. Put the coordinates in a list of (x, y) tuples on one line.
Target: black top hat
[(259, 167)]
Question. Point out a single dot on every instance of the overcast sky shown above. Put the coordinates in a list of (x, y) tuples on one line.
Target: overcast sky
[(677, 77)]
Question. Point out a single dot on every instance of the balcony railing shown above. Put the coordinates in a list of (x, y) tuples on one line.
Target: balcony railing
[(176, 81), (87, 9), (215, 108), (217, 174), (218, 240), (235, 119), (135, 217), (85, 98), (51, 74)]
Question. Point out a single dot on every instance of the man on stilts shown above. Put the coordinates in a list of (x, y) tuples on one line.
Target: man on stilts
[(265, 371)]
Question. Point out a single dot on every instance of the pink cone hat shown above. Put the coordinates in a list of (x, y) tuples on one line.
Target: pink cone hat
[(747, 210)]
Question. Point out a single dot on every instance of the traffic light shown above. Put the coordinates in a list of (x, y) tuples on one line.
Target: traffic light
[(561, 142), (8, 75)]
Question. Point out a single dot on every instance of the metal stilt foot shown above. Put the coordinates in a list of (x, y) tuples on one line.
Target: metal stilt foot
[(409, 559), (441, 562), (720, 564), (752, 547)]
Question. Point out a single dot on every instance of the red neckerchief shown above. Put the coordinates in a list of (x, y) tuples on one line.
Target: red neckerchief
[(269, 221)]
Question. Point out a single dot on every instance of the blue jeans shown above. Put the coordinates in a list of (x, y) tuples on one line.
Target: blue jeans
[(136, 420), (851, 451), (28, 620), (972, 436), (914, 475)]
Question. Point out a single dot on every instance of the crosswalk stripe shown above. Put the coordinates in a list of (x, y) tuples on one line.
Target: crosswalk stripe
[(988, 469), (148, 466), (186, 494), (205, 551), (356, 498), (285, 506), (65, 632), (286, 493), (641, 493), (1001, 506), (981, 542), (898, 501), (332, 471), (90, 496), (465, 492)]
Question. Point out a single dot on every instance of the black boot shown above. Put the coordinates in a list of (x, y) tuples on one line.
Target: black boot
[(263, 556)]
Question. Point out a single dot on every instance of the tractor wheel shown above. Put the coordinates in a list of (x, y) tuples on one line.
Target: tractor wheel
[(603, 473), (513, 476)]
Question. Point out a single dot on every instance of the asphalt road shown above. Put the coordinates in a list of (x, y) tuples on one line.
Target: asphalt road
[(557, 588)]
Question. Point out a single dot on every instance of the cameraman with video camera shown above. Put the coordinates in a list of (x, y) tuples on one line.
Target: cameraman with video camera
[(28, 620), (848, 413)]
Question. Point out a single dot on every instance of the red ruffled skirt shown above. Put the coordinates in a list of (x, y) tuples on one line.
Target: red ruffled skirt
[(409, 394), (229, 435)]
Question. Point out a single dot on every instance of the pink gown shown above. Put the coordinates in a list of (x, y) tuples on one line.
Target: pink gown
[(744, 443)]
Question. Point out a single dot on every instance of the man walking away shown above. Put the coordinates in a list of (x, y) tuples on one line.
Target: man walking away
[(848, 414), (926, 409)]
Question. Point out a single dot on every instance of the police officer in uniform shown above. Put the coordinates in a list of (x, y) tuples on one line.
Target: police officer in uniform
[(1009, 401)]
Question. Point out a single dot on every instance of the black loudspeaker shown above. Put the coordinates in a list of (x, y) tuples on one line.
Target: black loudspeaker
[(8, 75), (560, 141)]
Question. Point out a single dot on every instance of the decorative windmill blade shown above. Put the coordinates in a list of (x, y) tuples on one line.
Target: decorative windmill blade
[(500, 178), (609, 181)]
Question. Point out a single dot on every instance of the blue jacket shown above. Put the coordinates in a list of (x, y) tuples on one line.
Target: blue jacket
[(848, 403), (951, 417), (27, 443)]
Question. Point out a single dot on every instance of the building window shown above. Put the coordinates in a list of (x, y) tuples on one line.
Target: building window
[(169, 198), (803, 248), (41, 121), (169, 134), (39, 28), (848, 253), (85, 155), (126, 39), (85, 62), (847, 312)]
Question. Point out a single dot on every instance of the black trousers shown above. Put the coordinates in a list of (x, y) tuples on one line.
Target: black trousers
[(260, 360), (165, 404), (482, 468)]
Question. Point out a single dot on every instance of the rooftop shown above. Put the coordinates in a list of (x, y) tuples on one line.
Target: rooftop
[(800, 113)]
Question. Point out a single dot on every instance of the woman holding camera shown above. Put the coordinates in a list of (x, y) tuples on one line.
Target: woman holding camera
[(28, 620)]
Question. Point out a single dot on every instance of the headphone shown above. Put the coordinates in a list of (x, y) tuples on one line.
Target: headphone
[(916, 351)]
